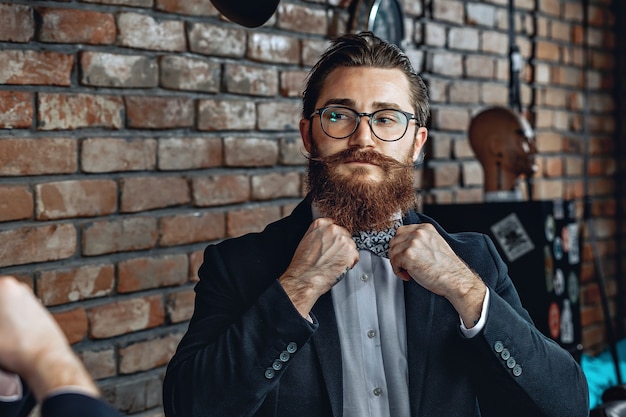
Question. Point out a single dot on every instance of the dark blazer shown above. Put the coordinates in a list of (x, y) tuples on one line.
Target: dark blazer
[(61, 405), (244, 321)]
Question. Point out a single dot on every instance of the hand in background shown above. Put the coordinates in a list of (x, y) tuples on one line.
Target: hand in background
[(33, 346)]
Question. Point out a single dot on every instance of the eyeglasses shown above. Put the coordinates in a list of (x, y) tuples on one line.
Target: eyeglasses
[(388, 125)]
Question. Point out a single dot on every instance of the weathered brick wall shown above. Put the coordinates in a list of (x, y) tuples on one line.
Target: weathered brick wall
[(134, 132)]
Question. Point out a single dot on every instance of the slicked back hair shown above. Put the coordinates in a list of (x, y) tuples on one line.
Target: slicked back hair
[(364, 50)]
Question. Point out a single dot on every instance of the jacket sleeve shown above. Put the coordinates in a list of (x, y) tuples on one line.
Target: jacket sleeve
[(76, 405), (523, 372), (241, 337)]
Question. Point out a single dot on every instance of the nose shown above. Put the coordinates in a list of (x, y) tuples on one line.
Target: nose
[(363, 136)]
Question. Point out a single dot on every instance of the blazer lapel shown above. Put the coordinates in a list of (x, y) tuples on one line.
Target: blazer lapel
[(326, 342)]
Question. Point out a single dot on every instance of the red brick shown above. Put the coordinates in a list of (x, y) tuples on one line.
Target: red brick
[(159, 112), (17, 23), (73, 111), (191, 228), (136, 394), (302, 19), (86, 198), (451, 118), (275, 185), (312, 49), (239, 222), (250, 152), (165, 35), (129, 234), (73, 323), (291, 151), (463, 38), (146, 193), (16, 109), (463, 92), (16, 203), (190, 7), (279, 49), (36, 68), (250, 80), (550, 7), (445, 63), (189, 153), (218, 190), (445, 174), (214, 40), (547, 51), (552, 166), (115, 70), (448, 11), (195, 260), (494, 43), (180, 305), (116, 154), (292, 83), (27, 245), (125, 316), (99, 363), (479, 14), (480, 67), (76, 26), (494, 94), (149, 354), (181, 73), (279, 115), (146, 273), (70, 285), (472, 173), (435, 34), (548, 189), (226, 115)]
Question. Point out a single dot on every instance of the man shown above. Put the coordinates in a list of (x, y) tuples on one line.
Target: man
[(299, 321), (504, 143), (34, 348)]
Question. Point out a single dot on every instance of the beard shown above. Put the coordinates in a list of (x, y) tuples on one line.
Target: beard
[(354, 201)]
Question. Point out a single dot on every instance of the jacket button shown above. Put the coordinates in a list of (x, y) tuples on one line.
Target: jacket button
[(284, 356), (269, 373), (277, 365), (505, 354), (292, 347), (517, 370), (498, 346), (511, 362)]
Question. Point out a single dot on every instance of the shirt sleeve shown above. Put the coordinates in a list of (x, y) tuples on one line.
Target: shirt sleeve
[(469, 333), (10, 387)]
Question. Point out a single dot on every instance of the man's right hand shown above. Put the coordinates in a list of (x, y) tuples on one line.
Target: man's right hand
[(326, 251)]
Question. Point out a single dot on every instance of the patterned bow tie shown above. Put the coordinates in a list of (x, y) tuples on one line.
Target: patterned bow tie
[(377, 242)]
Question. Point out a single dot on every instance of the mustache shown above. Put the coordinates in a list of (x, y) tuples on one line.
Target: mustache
[(362, 156)]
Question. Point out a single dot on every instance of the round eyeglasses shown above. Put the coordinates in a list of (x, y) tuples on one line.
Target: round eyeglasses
[(388, 125)]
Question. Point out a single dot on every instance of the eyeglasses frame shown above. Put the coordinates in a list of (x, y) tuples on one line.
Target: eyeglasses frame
[(409, 116)]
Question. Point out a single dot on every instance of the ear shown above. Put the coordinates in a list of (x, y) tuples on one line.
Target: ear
[(305, 133), (420, 140)]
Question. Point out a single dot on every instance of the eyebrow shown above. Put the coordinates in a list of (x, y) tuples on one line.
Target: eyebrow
[(350, 103)]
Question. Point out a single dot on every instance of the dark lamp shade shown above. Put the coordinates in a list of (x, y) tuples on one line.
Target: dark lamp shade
[(248, 13)]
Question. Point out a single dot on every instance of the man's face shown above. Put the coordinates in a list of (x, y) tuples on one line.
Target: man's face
[(365, 90), (361, 181)]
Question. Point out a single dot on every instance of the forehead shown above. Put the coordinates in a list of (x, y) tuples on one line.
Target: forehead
[(366, 86)]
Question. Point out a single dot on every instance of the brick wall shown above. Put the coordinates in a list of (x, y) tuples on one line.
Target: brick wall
[(134, 132)]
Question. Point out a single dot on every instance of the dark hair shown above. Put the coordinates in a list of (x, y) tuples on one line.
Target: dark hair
[(364, 50)]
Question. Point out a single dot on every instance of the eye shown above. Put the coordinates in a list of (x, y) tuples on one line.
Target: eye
[(388, 118), (338, 114)]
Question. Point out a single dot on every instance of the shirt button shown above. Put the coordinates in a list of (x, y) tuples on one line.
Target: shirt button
[(371, 334), (364, 277), (284, 356), (269, 373), (277, 365), (517, 370), (511, 362), (498, 346), (377, 391), (505, 354), (292, 347)]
